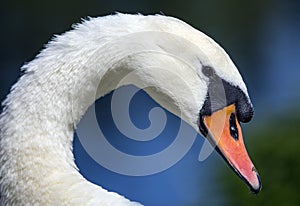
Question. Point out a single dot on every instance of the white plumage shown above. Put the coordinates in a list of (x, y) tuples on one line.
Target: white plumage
[(37, 124)]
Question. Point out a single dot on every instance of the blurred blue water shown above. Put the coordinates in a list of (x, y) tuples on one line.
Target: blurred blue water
[(175, 186), (281, 43)]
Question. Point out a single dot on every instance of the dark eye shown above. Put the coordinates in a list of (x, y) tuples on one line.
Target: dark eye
[(208, 71), (233, 128)]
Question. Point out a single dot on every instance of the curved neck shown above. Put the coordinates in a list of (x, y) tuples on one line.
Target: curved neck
[(54, 93), (37, 127)]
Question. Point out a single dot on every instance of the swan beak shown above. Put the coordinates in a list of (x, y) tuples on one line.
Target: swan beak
[(224, 132)]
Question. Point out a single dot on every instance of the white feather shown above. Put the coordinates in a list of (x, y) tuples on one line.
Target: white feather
[(36, 161)]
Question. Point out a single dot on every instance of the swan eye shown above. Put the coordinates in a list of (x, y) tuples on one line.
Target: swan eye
[(232, 127), (208, 71)]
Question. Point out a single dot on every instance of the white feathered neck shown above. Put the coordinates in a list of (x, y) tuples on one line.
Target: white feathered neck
[(37, 124)]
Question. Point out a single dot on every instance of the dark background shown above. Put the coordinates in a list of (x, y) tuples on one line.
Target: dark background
[(263, 39)]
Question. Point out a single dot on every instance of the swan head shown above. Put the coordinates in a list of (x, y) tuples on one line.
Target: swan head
[(226, 104), (224, 108)]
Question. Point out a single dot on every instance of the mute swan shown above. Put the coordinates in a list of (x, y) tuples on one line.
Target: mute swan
[(37, 123)]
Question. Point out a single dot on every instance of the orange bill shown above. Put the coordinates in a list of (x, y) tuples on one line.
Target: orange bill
[(224, 132)]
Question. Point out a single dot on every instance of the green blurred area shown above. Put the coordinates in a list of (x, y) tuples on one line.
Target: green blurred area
[(274, 148)]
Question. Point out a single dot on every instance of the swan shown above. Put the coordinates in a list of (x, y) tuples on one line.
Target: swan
[(189, 74)]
